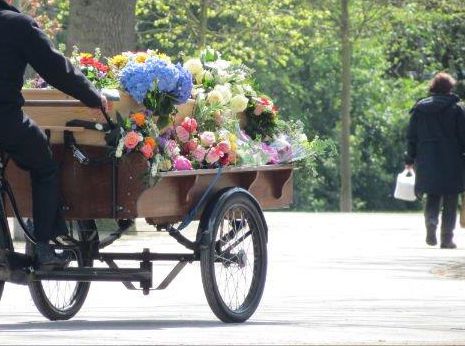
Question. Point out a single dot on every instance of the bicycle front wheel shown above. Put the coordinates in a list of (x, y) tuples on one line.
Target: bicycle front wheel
[(234, 264)]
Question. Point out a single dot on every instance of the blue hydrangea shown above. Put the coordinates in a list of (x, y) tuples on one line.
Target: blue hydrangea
[(166, 74), (136, 81), (139, 79), (184, 85)]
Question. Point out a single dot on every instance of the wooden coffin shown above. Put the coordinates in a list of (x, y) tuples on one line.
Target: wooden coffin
[(54, 118), (87, 190)]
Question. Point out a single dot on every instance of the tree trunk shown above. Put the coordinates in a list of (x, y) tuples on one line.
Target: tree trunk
[(346, 52), (106, 24), (203, 23)]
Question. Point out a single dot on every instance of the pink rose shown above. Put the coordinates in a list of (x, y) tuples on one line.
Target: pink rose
[(132, 139), (192, 145), (259, 109), (147, 151), (224, 146), (207, 138), (190, 125), (182, 164), (199, 153), (171, 148), (182, 134), (214, 155)]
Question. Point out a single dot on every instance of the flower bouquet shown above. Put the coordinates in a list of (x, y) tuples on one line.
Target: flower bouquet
[(137, 135), (155, 82), (97, 72), (184, 148)]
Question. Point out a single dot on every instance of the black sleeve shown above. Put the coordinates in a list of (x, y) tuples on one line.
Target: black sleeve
[(411, 152), (56, 69), (461, 128)]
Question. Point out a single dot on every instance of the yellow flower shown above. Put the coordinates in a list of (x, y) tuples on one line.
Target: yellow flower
[(86, 55), (233, 142), (118, 61), (157, 54), (141, 57)]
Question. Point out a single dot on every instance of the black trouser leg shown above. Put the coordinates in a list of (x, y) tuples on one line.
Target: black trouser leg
[(432, 208), (32, 153), (449, 217)]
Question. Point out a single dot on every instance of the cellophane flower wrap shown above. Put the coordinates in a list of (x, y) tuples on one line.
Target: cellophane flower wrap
[(138, 134)]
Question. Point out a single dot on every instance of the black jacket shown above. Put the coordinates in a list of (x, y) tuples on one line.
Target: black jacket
[(436, 144), (22, 43)]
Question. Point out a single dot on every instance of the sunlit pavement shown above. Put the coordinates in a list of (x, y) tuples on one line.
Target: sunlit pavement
[(332, 279)]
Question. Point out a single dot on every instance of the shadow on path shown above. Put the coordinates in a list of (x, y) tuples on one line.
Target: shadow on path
[(80, 325)]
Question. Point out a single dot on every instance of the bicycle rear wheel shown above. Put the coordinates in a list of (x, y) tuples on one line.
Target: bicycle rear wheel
[(62, 300)]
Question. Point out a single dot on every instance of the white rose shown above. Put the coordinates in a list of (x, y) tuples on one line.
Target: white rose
[(119, 148), (237, 89), (221, 64), (303, 137), (239, 103), (215, 96), (225, 91), (194, 66)]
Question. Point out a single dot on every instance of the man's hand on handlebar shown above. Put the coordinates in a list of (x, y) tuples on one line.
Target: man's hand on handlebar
[(104, 103), (96, 114)]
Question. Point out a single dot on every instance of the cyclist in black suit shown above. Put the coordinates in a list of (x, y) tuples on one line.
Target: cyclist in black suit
[(22, 42)]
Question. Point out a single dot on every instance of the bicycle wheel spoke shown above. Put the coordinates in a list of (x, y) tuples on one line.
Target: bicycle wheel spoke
[(234, 257)]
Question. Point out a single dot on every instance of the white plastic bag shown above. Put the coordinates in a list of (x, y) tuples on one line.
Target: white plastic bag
[(405, 186)]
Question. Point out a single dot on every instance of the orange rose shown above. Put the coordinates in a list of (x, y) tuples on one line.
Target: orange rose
[(147, 151), (150, 141), (132, 139), (139, 119)]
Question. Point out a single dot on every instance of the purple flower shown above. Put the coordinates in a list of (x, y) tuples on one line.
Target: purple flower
[(162, 140), (271, 152)]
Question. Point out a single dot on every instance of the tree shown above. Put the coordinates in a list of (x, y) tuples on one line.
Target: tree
[(107, 24), (346, 53), (44, 12)]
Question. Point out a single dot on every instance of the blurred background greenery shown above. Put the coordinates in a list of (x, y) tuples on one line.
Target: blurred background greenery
[(295, 47)]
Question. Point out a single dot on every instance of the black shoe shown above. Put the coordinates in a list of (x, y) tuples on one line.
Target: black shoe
[(46, 258), (431, 239), (448, 245)]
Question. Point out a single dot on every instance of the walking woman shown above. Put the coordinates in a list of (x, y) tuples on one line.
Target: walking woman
[(435, 146), (22, 43)]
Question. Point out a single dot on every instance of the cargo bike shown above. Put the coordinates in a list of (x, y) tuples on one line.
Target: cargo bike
[(231, 237)]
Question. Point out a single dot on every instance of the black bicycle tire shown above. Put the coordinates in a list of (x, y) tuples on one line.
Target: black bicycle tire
[(210, 286), (43, 304)]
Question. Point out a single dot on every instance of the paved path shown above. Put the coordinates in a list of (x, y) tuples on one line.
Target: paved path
[(333, 279)]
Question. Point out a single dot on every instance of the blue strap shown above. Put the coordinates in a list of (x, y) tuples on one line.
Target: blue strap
[(191, 215)]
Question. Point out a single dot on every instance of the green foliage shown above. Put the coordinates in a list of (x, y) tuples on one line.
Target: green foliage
[(293, 47)]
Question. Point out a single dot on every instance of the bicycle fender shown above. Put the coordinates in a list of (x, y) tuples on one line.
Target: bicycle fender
[(211, 212)]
